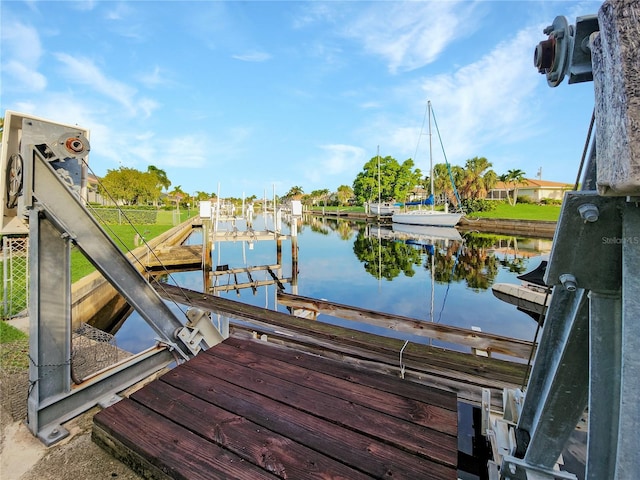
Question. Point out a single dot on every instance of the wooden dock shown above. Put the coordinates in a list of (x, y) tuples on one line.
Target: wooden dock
[(247, 409), (465, 374)]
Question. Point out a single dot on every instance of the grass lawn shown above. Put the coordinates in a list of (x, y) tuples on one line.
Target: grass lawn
[(9, 333), (522, 211), (354, 209), (124, 237)]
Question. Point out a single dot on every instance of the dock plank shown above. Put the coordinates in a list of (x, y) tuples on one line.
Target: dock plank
[(262, 408), (385, 383), (417, 411), (347, 446), (269, 450), (409, 436), (175, 452)]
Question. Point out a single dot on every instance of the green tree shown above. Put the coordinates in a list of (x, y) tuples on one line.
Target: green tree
[(161, 175), (442, 181), (345, 193), (319, 196), (200, 196), (177, 195), (294, 191), (130, 186), (396, 180), (162, 181), (473, 182), (383, 258), (514, 178)]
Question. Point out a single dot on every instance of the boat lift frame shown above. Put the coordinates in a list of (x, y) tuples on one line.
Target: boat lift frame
[(589, 353), (46, 176)]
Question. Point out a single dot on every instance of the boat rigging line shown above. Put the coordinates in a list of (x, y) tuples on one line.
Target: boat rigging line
[(144, 241), (586, 147), (446, 161)]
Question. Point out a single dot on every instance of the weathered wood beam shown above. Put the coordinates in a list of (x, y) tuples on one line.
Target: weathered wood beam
[(257, 268), (455, 371), (255, 284), (461, 336)]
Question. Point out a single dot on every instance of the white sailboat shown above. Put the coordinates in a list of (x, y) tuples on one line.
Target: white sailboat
[(428, 217)]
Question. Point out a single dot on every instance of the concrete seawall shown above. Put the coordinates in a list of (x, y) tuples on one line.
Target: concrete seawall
[(96, 302), (529, 228)]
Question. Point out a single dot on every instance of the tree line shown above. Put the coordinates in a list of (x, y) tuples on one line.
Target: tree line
[(386, 179), (382, 178)]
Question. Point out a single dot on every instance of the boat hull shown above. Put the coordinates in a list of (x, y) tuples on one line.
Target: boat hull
[(428, 218), (383, 208), (522, 297)]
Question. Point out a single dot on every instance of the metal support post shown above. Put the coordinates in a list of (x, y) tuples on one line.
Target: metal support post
[(604, 383), (50, 332), (560, 382), (628, 454)]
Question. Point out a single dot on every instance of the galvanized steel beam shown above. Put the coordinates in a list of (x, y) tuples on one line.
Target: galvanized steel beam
[(562, 387), (57, 218), (84, 231), (596, 249), (628, 453)]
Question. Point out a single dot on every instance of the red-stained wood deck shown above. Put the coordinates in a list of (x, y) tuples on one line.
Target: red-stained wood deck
[(248, 410)]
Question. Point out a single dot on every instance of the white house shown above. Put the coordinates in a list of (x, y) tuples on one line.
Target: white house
[(537, 190)]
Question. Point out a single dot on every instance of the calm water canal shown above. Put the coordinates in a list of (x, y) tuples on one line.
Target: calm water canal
[(444, 280)]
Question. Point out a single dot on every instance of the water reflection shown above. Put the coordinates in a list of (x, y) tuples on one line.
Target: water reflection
[(470, 258), (446, 280)]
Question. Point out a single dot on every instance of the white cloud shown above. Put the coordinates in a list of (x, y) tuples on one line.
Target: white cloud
[(489, 100), (313, 12), (25, 78), (341, 158), (84, 5), (253, 56), (154, 78), (84, 71), (335, 160), (410, 35), (118, 12), (22, 51), (485, 104)]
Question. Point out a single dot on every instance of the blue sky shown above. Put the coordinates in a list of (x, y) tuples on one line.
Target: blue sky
[(261, 95)]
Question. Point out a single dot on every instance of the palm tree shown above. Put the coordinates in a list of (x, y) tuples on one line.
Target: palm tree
[(162, 181), (473, 183), (294, 192), (515, 178), (177, 195), (490, 179), (444, 179)]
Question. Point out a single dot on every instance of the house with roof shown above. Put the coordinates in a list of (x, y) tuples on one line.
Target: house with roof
[(537, 190)]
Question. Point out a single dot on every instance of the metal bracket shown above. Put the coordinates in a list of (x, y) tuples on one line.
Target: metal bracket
[(517, 469), (587, 243), (566, 50)]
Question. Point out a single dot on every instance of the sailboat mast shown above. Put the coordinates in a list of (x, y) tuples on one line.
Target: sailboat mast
[(430, 157), (378, 157)]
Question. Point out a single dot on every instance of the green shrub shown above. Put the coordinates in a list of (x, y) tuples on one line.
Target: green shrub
[(551, 201), (525, 199), (472, 205)]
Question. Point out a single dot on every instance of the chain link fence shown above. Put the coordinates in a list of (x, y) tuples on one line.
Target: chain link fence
[(15, 276), (91, 351)]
